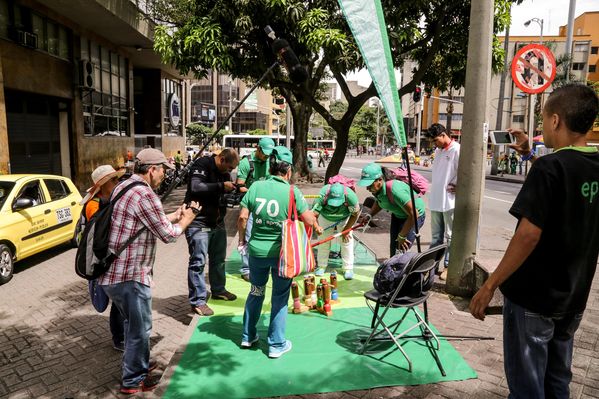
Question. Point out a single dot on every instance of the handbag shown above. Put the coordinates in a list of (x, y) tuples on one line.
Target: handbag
[(98, 296), (296, 255)]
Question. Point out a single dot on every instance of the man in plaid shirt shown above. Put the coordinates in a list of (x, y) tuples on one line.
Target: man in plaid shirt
[(128, 280)]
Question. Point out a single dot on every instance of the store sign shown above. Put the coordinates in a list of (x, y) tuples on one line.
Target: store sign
[(174, 110), (533, 68)]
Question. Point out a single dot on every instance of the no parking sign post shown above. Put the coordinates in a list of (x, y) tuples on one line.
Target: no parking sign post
[(533, 71)]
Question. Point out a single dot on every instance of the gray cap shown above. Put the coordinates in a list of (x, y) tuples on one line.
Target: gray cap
[(152, 156)]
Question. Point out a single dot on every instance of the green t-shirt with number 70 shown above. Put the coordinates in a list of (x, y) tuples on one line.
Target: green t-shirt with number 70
[(268, 202)]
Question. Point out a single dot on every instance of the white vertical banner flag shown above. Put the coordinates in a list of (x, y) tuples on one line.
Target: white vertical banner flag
[(367, 23)]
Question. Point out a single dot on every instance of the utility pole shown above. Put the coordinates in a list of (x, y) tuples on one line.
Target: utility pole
[(499, 122), (569, 34), (470, 184)]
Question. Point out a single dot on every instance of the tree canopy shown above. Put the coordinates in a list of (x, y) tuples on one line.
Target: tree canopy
[(228, 36)]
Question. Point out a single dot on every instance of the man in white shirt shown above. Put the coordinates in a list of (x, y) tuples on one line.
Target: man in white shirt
[(442, 194)]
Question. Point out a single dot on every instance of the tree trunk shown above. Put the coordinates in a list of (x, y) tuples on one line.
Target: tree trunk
[(449, 113), (301, 112), (342, 130)]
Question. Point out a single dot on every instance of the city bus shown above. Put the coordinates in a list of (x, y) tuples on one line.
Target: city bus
[(245, 144), (315, 145)]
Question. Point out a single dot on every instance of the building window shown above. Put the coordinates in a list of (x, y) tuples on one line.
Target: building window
[(518, 118), (592, 68), (35, 31), (454, 117), (578, 66), (594, 50), (105, 110), (581, 47)]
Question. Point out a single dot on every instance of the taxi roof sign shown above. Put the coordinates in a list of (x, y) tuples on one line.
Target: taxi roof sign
[(533, 68)]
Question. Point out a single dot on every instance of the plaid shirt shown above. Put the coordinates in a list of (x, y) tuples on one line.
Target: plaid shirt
[(138, 208)]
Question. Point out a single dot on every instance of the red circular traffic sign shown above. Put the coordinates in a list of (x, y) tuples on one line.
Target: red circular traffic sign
[(533, 68)]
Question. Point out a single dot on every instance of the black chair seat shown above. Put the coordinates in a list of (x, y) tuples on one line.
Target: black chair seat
[(422, 268)]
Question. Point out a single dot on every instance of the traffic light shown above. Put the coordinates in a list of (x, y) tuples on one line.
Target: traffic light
[(417, 94)]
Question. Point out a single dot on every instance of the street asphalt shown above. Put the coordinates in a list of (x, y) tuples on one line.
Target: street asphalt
[(54, 345)]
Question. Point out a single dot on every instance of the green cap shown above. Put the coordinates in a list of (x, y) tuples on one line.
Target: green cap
[(370, 173), (336, 195), (266, 144), (282, 153)]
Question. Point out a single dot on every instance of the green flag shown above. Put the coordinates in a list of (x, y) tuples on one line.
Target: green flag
[(367, 23)]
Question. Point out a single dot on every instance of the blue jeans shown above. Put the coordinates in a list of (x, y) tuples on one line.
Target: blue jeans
[(117, 325), (245, 259), (260, 268), (396, 226), (202, 244), (441, 227), (537, 352), (134, 301)]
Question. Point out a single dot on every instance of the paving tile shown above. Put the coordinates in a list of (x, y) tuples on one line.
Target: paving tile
[(53, 344)]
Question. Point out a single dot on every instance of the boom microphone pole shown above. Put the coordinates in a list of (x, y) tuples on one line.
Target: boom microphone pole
[(187, 167), (297, 74)]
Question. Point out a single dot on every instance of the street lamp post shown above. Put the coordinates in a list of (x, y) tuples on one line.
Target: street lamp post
[(538, 21)]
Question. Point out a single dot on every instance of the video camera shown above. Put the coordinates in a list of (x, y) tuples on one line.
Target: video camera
[(233, 198)]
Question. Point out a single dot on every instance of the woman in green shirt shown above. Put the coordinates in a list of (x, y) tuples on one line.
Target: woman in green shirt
[(398, 202), (268, 203)]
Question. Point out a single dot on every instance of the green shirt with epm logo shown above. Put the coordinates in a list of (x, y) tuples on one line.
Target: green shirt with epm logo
[(336, 213), (268, 202), (401, 196), (261, 171)]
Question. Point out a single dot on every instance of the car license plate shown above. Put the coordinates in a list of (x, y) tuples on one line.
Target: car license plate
[(63, 215)]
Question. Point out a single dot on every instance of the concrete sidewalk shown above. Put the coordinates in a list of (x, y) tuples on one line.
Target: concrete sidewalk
[(54, 345)]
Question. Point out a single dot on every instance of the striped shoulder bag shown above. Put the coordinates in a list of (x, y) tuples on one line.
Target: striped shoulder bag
[(296, 253)]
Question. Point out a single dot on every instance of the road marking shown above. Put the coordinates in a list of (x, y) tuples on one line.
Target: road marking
[(351, 168), (501, 192), (499, 199)]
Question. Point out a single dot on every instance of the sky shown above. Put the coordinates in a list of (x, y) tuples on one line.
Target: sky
[(553, 12)]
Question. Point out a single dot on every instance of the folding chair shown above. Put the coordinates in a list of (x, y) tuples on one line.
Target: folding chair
[(420, 271)]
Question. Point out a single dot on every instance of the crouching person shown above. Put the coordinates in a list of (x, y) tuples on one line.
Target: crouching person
[(128, 280), (268, 203), (336, 206)]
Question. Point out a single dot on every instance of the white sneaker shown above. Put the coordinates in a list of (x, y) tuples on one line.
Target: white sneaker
[(276, 353), (248, 344)]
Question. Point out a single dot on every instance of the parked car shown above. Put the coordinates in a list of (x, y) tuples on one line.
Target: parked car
[(37, 212)]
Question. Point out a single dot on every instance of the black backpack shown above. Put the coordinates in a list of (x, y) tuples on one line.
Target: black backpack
[(389, 275), (93, 256)]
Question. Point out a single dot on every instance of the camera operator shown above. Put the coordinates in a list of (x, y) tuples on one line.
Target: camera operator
[(209, 181)]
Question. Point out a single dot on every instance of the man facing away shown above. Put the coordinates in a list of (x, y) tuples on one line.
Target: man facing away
[(128, 281), (253, 168), (441, 199), (105, 179), (549, 265), (209, 180)]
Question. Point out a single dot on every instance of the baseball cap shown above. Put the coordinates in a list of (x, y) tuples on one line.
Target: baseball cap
[(266, 144), (282, 153), (370, 173), (100, 176), (336, 195), (152, 156)]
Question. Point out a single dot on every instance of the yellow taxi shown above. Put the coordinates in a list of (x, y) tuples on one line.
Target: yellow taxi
[(37, 212)]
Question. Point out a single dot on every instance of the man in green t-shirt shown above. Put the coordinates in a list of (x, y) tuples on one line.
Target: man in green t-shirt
[(337, 205), (398, 202), (268, 202), (253, 168)]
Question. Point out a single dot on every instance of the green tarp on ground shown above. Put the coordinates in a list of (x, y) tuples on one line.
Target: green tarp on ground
[(323, 359), (324, 356)]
